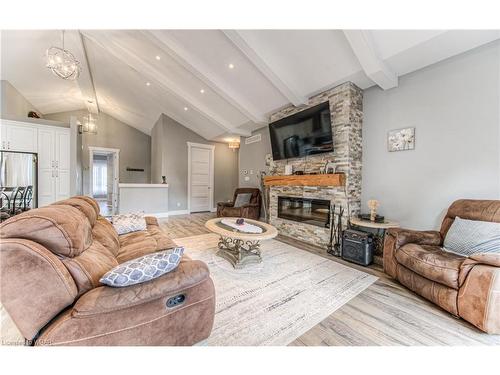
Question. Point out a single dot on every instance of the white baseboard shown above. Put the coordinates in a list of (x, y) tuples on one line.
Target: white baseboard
[(178, 212)]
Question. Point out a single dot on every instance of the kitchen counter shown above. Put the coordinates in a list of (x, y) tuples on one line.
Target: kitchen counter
[(152, 199)]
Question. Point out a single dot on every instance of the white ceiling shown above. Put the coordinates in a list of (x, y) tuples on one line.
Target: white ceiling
[(272, 68)]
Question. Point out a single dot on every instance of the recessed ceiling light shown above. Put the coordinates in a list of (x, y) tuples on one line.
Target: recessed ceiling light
[(185, 108), (148, 84), (231, 66), (202, 91), (158, 57)]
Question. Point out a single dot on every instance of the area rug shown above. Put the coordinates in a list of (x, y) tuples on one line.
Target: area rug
[(278, 300)]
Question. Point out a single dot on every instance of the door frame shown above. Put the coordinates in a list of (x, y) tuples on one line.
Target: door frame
[(211, 148), (116, 172)]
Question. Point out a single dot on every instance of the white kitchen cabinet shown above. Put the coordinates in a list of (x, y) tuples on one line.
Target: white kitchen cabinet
[(53, 165), (18, 136), (52, 145)]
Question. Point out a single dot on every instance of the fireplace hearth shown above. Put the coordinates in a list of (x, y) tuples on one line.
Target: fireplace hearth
[(305, 210)]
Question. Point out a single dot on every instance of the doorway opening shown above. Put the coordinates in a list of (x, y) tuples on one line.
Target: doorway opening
[(104, 178)]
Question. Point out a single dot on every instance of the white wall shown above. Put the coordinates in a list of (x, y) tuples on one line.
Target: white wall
[(454, 106)]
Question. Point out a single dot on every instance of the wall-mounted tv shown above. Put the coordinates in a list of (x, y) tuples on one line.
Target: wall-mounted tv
[(308, 132)]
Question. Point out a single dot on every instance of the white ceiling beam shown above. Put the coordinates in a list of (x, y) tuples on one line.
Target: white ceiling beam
[(155, 76), (241, 43), (85, 81), (200, 70), (374, 67)]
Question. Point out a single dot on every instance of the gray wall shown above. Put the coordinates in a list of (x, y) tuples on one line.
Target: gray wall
[(13, 104), (134, 145), (158, 168), (253, 158), (170, 158), (454, 106)]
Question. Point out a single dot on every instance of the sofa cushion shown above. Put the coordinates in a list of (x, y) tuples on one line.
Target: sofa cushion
[(432, 263), (242, 199), (104, 232), (145, 268), (86, 205), (136, 244), (470, 237), (62, 229)]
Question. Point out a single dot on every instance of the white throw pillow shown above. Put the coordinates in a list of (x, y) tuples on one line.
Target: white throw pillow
[(469, 237), (128, 223)]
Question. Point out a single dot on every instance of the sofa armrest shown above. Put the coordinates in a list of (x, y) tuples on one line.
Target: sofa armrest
[(487, 258), (405, 236), (398, 237), (106, 299), (479, 298), (36, 286), (225, 204)]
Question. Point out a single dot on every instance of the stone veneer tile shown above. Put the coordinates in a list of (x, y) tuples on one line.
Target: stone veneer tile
[(346, 107)]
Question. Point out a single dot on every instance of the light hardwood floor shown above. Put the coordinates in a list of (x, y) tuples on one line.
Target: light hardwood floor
[(386, 313)]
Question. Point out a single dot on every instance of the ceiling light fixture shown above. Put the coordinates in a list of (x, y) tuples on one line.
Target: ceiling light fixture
[(231, 66), (62, 63), (148, 84), (234, 145), (202, 91), (185, 108), (158, 57), (89, 125)]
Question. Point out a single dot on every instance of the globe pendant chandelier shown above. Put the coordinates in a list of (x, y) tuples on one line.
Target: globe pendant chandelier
[(63, 63)]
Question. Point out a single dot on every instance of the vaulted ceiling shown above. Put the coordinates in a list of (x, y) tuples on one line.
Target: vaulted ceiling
[(218, 83)]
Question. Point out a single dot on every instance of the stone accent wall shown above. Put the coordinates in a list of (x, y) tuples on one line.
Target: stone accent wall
[(346, 107)]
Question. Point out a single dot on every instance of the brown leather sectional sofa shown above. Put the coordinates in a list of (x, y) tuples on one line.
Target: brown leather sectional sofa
[(466, 287), (51, 261)]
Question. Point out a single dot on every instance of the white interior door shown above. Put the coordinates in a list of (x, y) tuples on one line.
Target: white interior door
[(200, 178)]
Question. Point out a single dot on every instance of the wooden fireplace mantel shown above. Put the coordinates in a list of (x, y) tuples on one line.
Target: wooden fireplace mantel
[(335, 179)]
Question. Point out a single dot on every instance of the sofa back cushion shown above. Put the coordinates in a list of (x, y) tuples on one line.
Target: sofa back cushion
[(470, 237), (62, 229), (86, 205), (471, 209)]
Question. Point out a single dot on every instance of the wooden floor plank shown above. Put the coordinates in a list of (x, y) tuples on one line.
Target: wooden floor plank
[(386, 313)]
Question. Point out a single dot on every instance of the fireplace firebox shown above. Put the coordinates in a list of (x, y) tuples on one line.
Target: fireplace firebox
[(305, 210)]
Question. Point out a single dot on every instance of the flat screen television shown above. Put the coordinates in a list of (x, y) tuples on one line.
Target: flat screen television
[(308, 132)]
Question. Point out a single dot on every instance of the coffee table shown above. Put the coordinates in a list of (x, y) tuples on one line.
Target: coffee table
[(238, 247)]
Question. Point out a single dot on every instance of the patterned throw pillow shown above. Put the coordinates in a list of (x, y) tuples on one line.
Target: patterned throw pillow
[(145, 268), (127, 223), (469, 237)]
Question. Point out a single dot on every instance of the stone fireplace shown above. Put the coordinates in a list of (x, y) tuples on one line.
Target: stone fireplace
[(346, 107)]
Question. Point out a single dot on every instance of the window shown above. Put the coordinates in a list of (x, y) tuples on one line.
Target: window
[(100, 177)]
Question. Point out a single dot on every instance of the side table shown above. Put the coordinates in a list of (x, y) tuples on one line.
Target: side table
[(378, 231)]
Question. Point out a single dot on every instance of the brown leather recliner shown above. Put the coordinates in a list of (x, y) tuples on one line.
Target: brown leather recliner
[(467, 287), (249, 211), (51, 260)]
